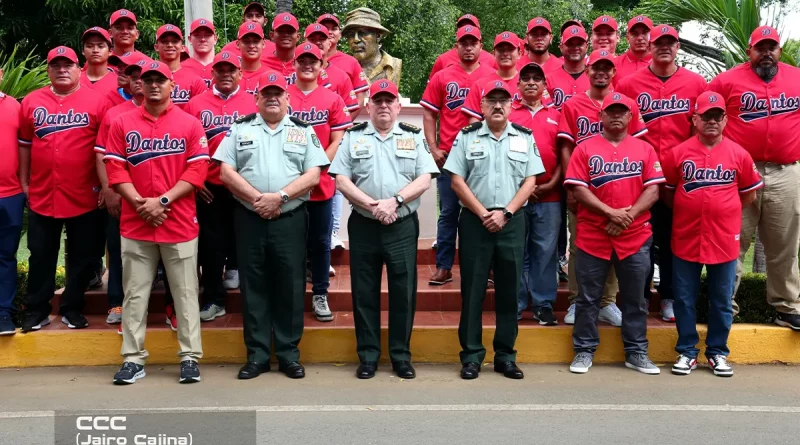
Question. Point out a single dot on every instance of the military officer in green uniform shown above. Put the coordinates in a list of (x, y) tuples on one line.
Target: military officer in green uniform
[(493, 165), (383, 167), (270, 161)]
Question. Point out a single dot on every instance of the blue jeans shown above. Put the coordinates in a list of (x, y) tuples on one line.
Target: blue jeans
[(338, 202), (447, 227), (320, 222), (11, 210), (540, 268), (685, 286)]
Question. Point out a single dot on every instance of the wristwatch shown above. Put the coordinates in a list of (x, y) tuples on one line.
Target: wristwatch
[(400, 200), (507, 213), (164, 201), (284, 196)]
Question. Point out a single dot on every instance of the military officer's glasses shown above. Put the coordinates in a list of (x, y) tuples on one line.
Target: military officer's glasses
[(494, 102)]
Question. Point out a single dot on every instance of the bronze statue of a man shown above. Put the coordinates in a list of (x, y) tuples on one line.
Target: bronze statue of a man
[(363, 31)]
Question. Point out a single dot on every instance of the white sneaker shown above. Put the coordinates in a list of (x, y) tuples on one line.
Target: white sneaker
[(611, 315), (656, 275), (336, 243), (684, 365), (231, 279), (581, 363), (719, 364), (434, 245), (570, 317), (667, 311), (332, 272), (321, 309)]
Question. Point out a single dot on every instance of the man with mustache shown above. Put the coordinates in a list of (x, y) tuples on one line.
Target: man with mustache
[(709, 179), (506, 54), (253, 12), (639, 52), (614, 177), (570, 79), (665, 94), (537, 42), (493, 166), (762, 99), (270, 161), (605, 34), (580, 121), (451, 57)]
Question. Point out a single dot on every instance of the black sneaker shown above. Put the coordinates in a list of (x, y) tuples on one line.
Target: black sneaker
[(7, 325), (129, 374), (545, 316), (74, 320), (788, 320), (35, 321), (190, 372)]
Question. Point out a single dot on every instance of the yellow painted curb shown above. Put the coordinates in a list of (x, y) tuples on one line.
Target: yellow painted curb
[(749, 343)]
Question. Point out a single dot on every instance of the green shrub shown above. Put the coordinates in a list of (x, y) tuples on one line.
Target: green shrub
[(22, 287), (751, 298)]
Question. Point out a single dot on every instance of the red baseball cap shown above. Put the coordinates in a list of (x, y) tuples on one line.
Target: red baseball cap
[(141, 63), (285, 18), (492, 85), (227, 57), (506, 37), (383, 86), (250, 27), (252, 4), (202, 23), (62, 51), (325, 17), (605, 20), (129, 58), (315, 28), (764, 33), (468, 30), (157, 67), (659, 31), (122, 14), (617, 99), (707, 101), (599, 55), (168, 29), (307, 48), (470, 18), (640, 20), (539, 22), (572, 32), (571, 22), (98, 31), (272, 79)]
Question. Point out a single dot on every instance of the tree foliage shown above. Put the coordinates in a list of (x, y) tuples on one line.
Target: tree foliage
[(22, 74)]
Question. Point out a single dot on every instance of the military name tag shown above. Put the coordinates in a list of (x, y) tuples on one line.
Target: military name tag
[(245, 143), (406, 144), (296, 136), (518, 145)]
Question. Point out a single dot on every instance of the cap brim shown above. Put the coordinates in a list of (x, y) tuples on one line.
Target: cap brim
[(62, 57), (708, 108), (254, 5), (168, 33), (88, 34), (770, 38), (201, 27)]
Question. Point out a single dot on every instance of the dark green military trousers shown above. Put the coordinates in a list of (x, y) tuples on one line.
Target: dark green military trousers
[(372, 245), (480, 251), (271, 255)]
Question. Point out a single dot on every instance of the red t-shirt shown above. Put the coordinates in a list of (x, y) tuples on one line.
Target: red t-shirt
[(9, 146), (472, 107), (350, 65), (61, 132), (617, 176), (450, 58), (552, 64), (187, 85), (544, 123), (707, 211), (561, 85), (154, 154), (627, 64), (580, 120), (204, 71), (108, 84)]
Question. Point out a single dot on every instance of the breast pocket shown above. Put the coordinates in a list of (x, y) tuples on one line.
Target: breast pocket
[(293, 157), (363, 160), (477, 161), (518, 164), (245, 152), (406, 162)]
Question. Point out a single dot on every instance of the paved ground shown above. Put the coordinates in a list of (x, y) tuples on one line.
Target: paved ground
[(610, 405)]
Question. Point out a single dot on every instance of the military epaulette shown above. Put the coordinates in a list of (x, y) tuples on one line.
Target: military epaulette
[(521, 128), (471, 127), (409, 127), (298, 121), (358, 126), (246, 118)]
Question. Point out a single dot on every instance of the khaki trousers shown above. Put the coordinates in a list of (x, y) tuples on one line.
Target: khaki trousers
[(139, 262), (776, 214), (612, 285)]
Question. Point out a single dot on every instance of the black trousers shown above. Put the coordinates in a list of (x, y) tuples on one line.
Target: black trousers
[(661, 253), (114, 242), (44, 242), (216, 240)]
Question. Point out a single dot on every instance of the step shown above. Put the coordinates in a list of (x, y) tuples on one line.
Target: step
[(429, 297), (434, 340), (425, 254)]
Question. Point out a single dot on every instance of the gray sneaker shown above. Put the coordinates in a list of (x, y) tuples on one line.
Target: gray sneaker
[(211, 312), (321, 309), (641, 363), (231, 280), (581, 363), (611, 315), (114, 315), (570, 317)]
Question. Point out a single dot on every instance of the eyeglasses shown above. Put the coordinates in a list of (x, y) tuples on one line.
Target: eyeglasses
[(528, 78), (495, 102), (708, 117)]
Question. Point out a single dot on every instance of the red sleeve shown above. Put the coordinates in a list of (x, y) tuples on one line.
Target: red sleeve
[(717, 86), (115, 159), (102, 136), (198, 86), (652, 172), (749, 178), (578, 169), (437, 66), (669, 165), (472, 106), (565, 124), (340, 118), (637, 127), (25, 135), (348, 95), (197, 158), (432, 98), (357, 76)]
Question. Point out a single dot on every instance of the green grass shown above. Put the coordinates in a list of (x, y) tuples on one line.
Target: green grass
[(23, 253)]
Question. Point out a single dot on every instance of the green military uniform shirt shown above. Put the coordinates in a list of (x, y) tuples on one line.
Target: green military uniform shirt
[(381, 166), (271, 159), (494, 168)]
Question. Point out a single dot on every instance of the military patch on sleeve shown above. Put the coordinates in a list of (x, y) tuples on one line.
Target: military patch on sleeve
[(409, 127), (315, 140), (296, 136), (471, 127)]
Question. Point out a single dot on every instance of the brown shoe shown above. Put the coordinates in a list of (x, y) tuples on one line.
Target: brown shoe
[(441, 276)]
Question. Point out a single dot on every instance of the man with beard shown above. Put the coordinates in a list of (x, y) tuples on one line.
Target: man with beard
[(569, 79), (537, 41), (762, 99), (605, 34), (506, 54), (638, 55), (450, 57)]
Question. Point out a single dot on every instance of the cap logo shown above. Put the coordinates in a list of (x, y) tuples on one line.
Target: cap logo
[(307, 47), (123, 13), (154, 65), (766, 32), (287, 18), (665, 29), (203, 22), (712, 98), (317, 27), (498, 84), (468, 29), (141, 63), (251, 26), (61, 50), (574, 30), (604, 53), (384, 85), (639, 19), (506, 35), (126, 54), (468, 16), (272, 78), (604, 20), (616, 97), (94, 28), (226, 56), (169, 28), (539, 21)]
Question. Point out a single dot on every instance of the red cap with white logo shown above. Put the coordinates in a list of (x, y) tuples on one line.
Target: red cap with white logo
[(617, 99), (272, 79), (168, 29), (250, 27), (640, 20), (285, 18), (492, 85), (307, 48), (122, 14), (159, 68), (315, 28), (325, 17), (659, 31), (468, 18), (707, 101), (764, 33), (62, 52), (539, 22), (383, 86), (606, 20), (202, 23), (574, 32), (506, 37), (469, 30), (227, 57), (96, 30), (599, 55)]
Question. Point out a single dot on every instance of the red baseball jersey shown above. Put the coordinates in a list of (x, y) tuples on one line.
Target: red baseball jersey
[(553, 63), (105, 125), (544, 123), (107, 84), (204, 71), (763, 117), (217, 113), (472, 106), (339, 82), (114, 98), (445, 94), (187, 85), (324, 110), (154, 154), (352, 68), (250, 79), (287, 69), (666, 107), (10, 111), (561, 86), (627, 64), (450, 58), (580, 120), (617, 176), (707, 211), (269, 48), (60, 132)]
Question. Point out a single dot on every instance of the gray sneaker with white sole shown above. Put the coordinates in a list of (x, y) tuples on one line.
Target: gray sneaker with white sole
[(642, 363), (211, 312)]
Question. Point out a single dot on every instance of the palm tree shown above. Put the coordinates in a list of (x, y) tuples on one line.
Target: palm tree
[(283, 6), (21, 74)]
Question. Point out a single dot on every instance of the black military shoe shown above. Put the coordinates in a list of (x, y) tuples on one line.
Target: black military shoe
[(404, 370), (252, 370), (366, 370), (508, 369), (470, 370), (293, 370)]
